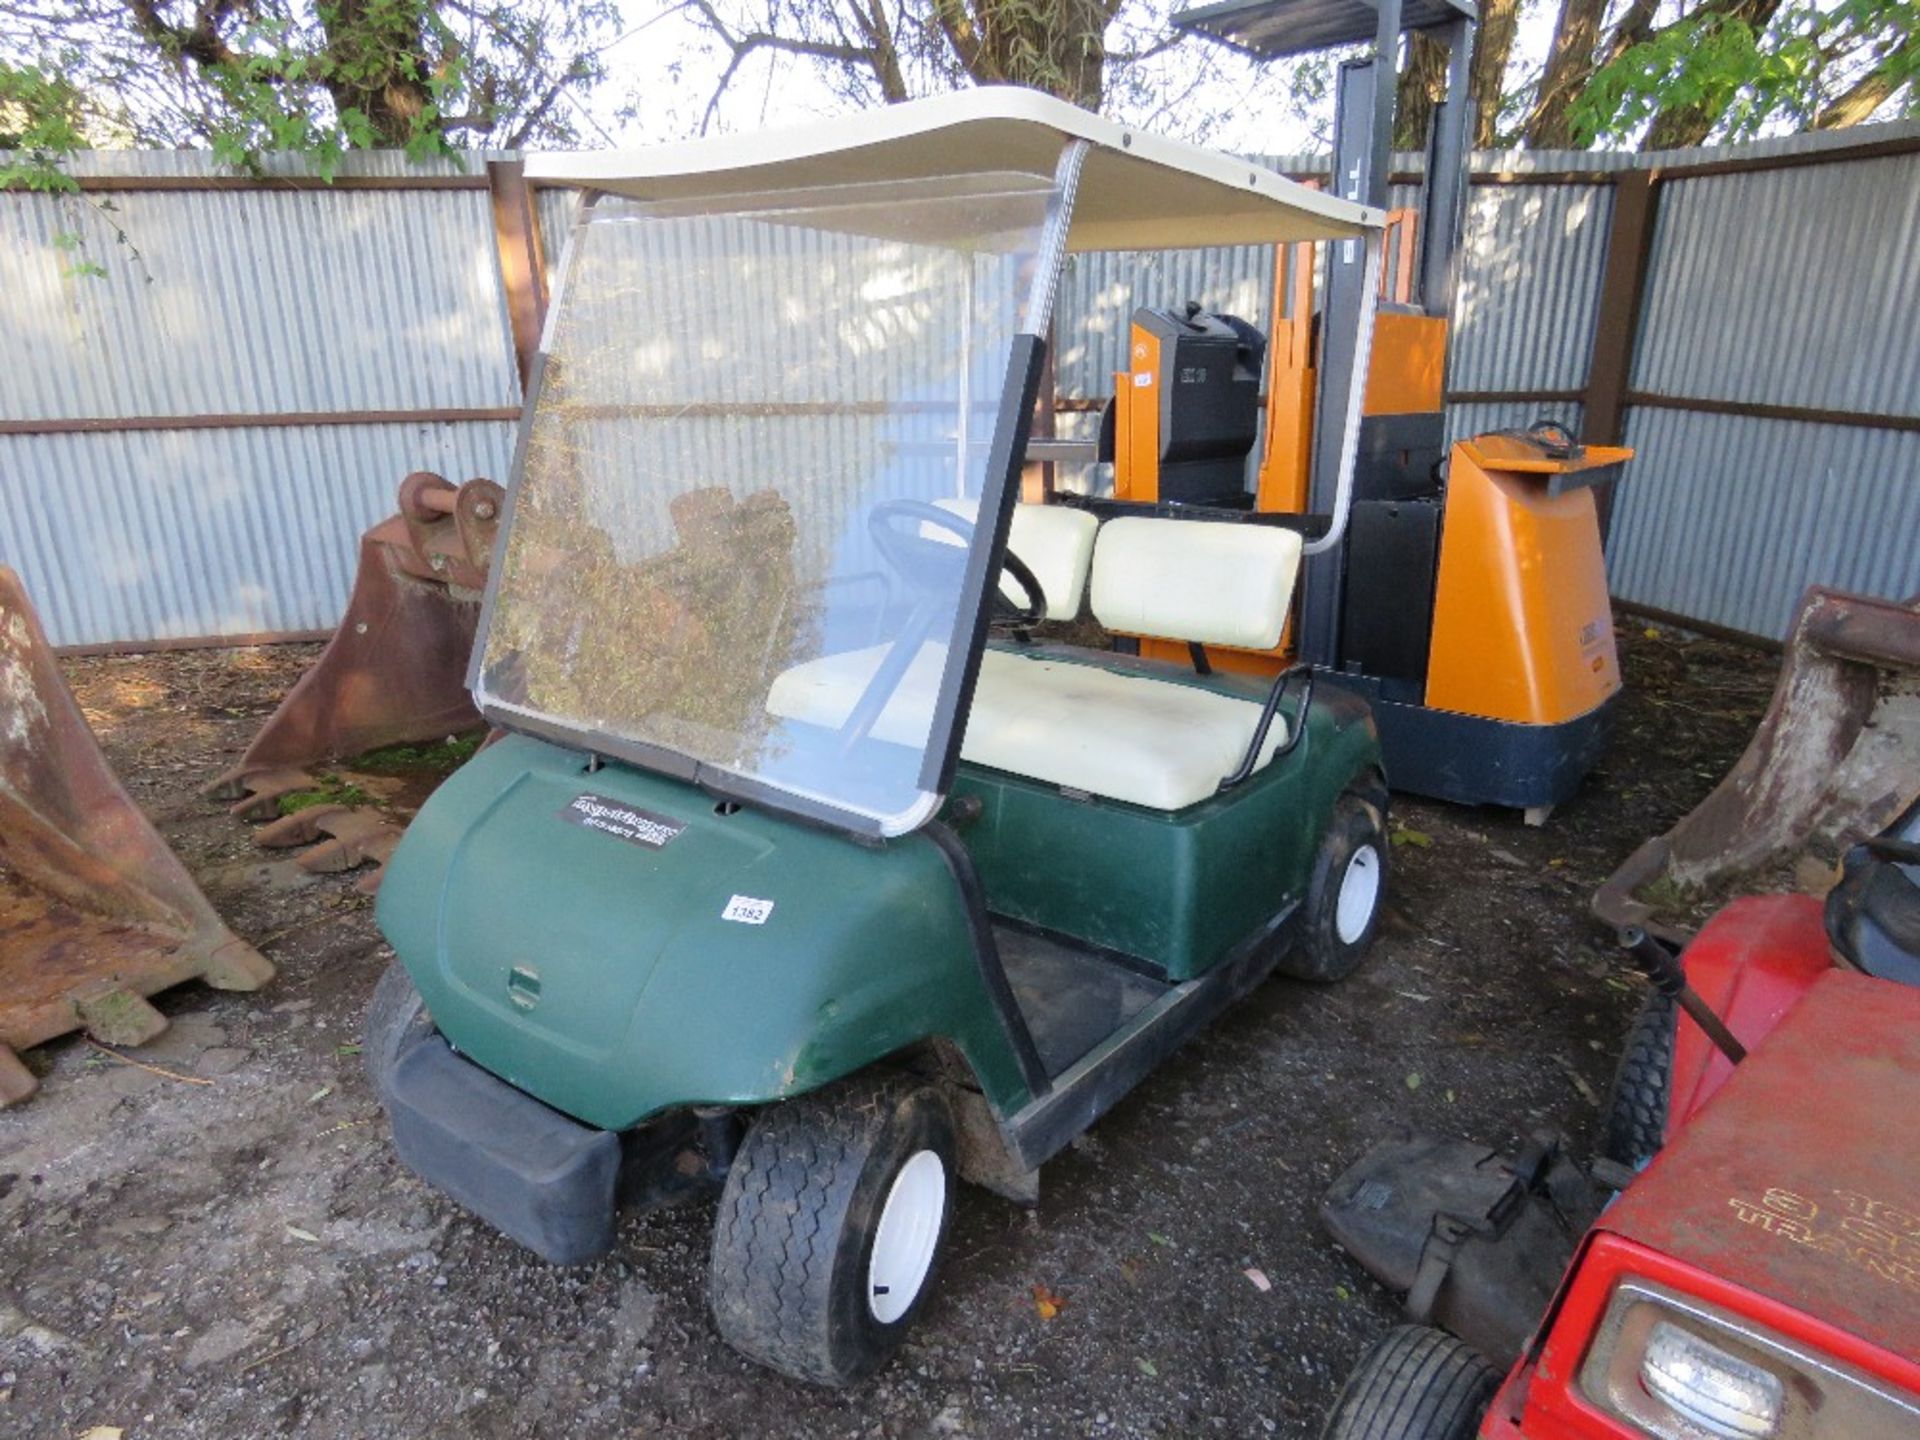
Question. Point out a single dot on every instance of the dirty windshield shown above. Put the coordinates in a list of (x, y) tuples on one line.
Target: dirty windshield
[(728, 539)]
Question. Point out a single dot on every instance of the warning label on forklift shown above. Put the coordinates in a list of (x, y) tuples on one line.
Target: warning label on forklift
[(624, 822)]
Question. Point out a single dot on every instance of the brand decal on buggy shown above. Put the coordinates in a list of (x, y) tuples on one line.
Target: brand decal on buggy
[(623, 822), (747, 910)]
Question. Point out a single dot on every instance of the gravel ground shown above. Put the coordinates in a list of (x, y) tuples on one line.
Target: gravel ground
[(245, 1257)]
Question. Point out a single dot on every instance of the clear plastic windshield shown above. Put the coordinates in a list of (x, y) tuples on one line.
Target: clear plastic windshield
[(725, 540)]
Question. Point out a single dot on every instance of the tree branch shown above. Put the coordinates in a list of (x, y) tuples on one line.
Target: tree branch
[(1872, 90), (200, 42)]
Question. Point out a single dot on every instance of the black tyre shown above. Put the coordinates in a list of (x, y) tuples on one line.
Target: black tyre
[(1345, 895), (397, 1019), (1417, 1383), (830, 1227), (1636, 1118)]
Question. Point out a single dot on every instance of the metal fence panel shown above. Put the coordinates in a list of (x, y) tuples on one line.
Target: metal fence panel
[(153, 535), (255, 301), (1726, 519), (1531, 258), (1794, 286)]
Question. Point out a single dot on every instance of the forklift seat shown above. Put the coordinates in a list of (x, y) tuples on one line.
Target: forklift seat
[(1163, 743)]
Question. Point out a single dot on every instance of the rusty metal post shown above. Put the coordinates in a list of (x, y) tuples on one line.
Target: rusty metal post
[(1636, 206), (523, 268)]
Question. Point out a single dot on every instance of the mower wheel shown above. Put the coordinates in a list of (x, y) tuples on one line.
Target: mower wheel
[(1345, 895), (1636, 1120), (397, 1020), (830, 1225), (1417, 1383)]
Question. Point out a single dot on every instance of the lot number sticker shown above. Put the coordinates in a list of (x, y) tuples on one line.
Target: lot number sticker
[(747, 910)]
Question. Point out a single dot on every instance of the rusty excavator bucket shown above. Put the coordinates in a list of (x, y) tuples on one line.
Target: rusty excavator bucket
[(394, 673), (1835, 759), (96, 913)]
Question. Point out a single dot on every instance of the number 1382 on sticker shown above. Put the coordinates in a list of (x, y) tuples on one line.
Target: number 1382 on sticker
[(747, 910)]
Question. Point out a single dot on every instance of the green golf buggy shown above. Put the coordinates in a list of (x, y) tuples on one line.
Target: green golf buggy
[(804, 863)]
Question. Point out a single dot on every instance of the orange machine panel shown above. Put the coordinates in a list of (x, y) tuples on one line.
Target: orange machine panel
[(1291, 384), (1136, 422), (1522, 623), (1409, 364)]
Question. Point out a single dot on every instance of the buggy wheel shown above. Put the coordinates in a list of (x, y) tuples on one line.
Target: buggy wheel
[(830, 1227), (1636, 1120), (1345, 895), (397, 1020), (1416, 1383)]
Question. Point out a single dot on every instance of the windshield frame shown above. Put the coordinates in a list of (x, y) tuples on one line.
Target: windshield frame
[(985, 553)]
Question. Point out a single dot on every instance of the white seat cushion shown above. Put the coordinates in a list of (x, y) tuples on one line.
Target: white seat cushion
[(1055, 542), (1132, 738), (1214, 581)]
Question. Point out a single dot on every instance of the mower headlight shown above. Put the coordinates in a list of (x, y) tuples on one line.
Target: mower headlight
[(1676, 1367), (1716, 1390)]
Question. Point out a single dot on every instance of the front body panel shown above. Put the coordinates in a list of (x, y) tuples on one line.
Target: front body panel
[(744, 959), (1523, 623), (1752, 962)]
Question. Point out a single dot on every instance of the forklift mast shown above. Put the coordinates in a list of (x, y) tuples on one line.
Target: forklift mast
[(1403, 427)]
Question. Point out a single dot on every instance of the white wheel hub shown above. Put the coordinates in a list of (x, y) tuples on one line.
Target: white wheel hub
[(1359, 894), (904, 1241)]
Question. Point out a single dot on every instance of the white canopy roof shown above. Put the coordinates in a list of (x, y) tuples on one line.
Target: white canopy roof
[(1137, 191)]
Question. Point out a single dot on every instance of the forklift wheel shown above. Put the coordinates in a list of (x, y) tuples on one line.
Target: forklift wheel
[(1417, 1383), (397, 1020), (1344, 896), (1636, 1122), (830, 1226)]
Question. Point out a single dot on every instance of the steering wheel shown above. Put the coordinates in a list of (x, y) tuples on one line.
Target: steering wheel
[(934, 566)]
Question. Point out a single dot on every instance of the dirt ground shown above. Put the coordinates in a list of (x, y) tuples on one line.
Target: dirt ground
[(238, 1253)]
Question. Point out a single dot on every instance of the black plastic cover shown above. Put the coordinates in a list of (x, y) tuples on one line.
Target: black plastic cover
[(1209, 387), (1499, 1228), (1393, 559), (1873, 914), (533, 1173)]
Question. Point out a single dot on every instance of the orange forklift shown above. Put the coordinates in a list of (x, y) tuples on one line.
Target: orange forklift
[(1469, 602)]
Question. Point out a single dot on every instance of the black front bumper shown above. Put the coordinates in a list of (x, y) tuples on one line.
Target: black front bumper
[(542, 1178)]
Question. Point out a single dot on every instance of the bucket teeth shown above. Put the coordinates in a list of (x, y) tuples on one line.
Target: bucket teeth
[(348, 836), (259, 794), (17, 1082), (119, 1017)]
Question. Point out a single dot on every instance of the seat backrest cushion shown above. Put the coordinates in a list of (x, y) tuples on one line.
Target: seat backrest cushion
[(1213, 581), (1054, 541)]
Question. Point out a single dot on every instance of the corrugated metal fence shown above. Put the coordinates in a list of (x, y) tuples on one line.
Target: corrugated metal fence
[(191, 442)]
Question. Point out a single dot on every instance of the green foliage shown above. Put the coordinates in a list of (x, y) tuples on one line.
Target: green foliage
[(1784, 76), (443, 756), (313, 78), (39, 123), (331, 790)]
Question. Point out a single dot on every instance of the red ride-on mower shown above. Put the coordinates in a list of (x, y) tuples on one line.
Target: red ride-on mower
[(1760, 1277)]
